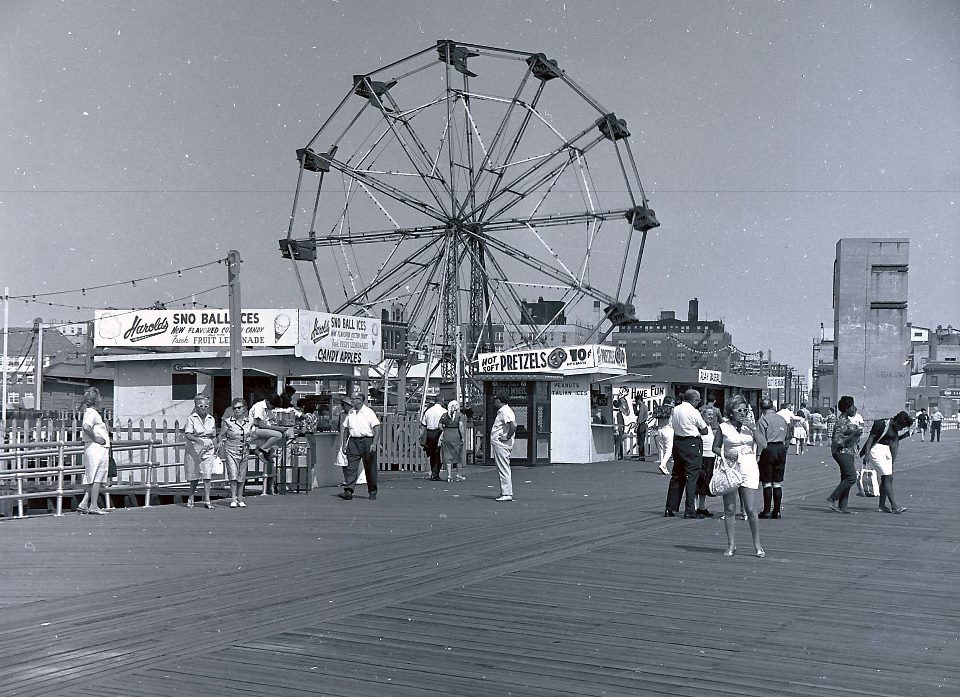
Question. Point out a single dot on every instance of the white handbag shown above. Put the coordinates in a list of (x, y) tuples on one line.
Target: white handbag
[(725, 478)]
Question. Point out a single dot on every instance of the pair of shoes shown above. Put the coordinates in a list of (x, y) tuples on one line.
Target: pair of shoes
[(741, 516), (504, 498), (775, 515), (207, 504), (690, 515), (761, 553), (730, 552), (664, 470), (860, 493), (704, 513), (847, 511), (459, 478), (884, 509), (834, 506), (372, 496), (669, 514), (764, 515), (96, 511), (82, 511), (189, 503), (434, 479), (241, 504), (234, 504), (901, 509), (346, 495)]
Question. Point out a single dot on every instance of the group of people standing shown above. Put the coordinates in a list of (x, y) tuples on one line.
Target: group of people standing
[(731, 441), (699, 439)]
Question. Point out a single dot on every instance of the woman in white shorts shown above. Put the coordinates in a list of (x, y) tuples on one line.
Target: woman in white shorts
[(735, 444), (880, 450), (96, 452)]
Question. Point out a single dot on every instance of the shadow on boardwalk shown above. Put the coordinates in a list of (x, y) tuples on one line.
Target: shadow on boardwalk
[(578, 587)]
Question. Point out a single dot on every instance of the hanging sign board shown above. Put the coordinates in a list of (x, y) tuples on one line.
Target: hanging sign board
[(709, 377), (339, 338), (561, 359), (775, 383), (207, 328)]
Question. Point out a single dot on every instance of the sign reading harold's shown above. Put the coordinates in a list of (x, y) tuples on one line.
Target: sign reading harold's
[(560, 359), (339, 338), (193, 328)]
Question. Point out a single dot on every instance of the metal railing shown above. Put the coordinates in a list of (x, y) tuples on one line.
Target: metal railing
[(26, 472)]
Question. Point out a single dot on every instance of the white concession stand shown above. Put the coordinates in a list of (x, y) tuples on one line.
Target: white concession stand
[(562, 399)]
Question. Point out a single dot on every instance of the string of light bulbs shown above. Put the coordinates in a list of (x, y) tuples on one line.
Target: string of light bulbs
[(133, 282)]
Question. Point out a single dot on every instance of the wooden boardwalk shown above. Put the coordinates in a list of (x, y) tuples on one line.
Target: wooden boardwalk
[(579, 587)]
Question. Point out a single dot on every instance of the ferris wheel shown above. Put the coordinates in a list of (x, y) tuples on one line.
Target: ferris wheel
[(452, 182)]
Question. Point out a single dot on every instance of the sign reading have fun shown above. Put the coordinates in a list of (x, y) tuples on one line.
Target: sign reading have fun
[(561, 359), (208, 328)]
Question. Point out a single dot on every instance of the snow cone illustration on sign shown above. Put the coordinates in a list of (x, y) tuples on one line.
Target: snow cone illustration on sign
[(281, 323)]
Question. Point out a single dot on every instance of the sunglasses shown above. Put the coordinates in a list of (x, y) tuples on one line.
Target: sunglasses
[(742, 409)]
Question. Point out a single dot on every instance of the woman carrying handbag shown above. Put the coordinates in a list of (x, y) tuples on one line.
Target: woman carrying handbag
[(736, 450)]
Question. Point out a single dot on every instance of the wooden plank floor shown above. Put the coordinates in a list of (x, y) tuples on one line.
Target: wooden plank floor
[(579, 587)]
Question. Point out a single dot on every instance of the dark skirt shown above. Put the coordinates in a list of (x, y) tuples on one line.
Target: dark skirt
[(706, 473), (452, 443)]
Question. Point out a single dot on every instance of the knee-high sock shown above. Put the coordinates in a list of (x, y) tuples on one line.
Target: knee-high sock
[(767, 494), (777, 498)]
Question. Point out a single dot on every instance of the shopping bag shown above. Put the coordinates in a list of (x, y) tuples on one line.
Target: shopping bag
[(868, 481), (218, 468)]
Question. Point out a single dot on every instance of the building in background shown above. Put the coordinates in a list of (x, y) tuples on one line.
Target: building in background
[(669, 342), (871, 332), (935, 368)]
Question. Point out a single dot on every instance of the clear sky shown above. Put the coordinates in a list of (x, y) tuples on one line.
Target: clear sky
[(138, 138)]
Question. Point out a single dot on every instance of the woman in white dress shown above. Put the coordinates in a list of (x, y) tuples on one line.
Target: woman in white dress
[(96, 452), (735, 444), (200, 433)]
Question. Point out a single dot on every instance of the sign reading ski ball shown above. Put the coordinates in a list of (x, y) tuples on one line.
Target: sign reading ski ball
[(562, 359), (192, 328), (339, 338)]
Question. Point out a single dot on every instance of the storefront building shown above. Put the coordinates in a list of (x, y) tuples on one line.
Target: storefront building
[(162, 359), (561, 398)]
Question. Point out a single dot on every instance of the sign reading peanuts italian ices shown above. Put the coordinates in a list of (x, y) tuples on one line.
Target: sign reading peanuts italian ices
[(560, 359), (207, 328), (339, 338)]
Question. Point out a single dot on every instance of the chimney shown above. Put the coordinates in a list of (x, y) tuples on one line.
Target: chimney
[(668, 314), (597, 313), (694, 311)]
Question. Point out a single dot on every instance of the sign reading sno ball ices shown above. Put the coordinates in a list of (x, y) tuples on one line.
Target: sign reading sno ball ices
[(193, 328)]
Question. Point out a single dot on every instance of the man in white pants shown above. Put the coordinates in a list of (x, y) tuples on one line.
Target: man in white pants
[(501, 444)]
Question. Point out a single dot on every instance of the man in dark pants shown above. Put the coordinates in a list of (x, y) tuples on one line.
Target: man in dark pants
[(688, 427), (361, 436), (771, 437), (430, 425)]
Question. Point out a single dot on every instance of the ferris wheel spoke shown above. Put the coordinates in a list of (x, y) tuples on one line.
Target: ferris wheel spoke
[(397, 194), (376, 94), (545, 168), (498, 135), (408, 265), (538, 265)]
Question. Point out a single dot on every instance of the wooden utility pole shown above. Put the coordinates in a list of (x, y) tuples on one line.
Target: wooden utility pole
[(236, 336), (38, 370)]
